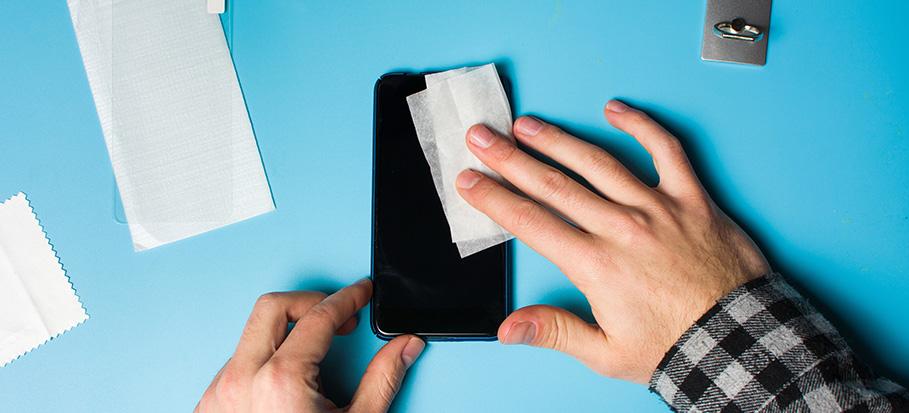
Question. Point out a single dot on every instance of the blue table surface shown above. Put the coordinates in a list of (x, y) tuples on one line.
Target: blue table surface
[(809, 153)]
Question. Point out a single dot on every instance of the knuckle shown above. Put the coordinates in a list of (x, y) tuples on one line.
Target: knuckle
[(601, 163), (321, 312), (553, 184), (667, 214), (701, 206), (388, 366), (502, 152), (557, 335), (672, 145), (630, 228), (267, 301), (318, 294), (526, 215), (553, 134), (230, 386), (638, 118), (276, 375), (703, 203), (659, 210)]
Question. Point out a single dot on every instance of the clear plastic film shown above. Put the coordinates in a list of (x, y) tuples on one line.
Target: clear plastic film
[(173, 116)]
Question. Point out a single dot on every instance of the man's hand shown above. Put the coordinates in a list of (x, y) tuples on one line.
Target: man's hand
[(273, 371), (650, 261)]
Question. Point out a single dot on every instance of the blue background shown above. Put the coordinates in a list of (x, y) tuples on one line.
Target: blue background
[(809, 153)]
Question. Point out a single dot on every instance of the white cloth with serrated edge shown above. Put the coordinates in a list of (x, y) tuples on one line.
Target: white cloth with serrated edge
[(173, 117), (454, 101), (37, 301)]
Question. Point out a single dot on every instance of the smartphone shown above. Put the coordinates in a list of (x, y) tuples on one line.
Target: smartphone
[(420, 284)]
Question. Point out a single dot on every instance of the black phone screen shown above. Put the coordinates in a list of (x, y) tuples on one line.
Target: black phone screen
[(421, 285)]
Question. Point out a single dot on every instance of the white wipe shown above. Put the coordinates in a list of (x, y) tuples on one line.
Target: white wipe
[(453, 102), (173, 117), (37, 302)]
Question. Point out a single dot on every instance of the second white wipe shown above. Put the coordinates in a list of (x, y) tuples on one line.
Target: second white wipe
[(454, 101), (37, 301)]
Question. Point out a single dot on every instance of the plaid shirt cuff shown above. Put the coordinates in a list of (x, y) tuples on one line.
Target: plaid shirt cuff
[(763, 347)]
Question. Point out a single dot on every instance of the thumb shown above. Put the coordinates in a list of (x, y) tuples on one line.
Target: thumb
[(557, 329), (385, 373)]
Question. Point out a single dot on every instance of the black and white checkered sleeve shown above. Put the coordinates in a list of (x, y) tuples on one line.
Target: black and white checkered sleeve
[(764, 348)]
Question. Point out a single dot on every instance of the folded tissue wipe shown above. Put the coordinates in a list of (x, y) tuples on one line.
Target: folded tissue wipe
[(454, 101), (37, 302), (173, 117)]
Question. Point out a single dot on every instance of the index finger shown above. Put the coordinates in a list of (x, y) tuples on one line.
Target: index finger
[(541, 230), (267, 325), (311, 337)]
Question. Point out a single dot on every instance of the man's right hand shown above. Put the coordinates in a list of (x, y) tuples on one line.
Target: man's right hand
[(650, 260)]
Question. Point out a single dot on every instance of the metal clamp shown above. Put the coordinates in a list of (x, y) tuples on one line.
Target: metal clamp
[(738, 29), (742, 34)]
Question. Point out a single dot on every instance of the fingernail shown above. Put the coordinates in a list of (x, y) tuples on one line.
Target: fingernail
[(529, 125), (520, 333), (467, 179), (411, 351), (616, 106), (481, 136)]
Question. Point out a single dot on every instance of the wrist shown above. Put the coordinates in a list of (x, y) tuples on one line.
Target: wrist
[(746, 349)]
